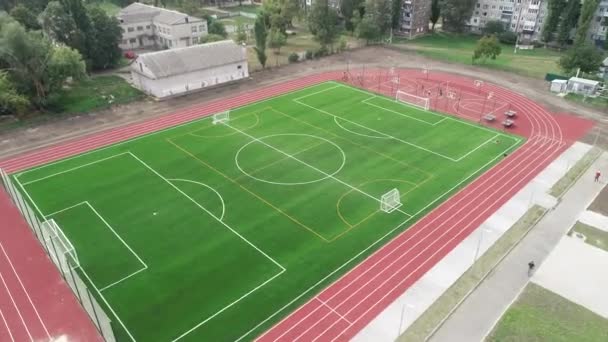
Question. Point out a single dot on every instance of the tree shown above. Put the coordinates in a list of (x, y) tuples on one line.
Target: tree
[(375, 22), (584, 57), (60, 26), (64, 63), (217, 27), (279, 13), (26, 17), (365, 28), (568, 21), (276, 40), (241, 34), (106, 34), (494, 27), (435, 13), (455, 13), (555, 9), (210, 38), (259, 29), (487, 47), (584, 21), (347, 8), (11, 102), (323, 23), (396, 13)]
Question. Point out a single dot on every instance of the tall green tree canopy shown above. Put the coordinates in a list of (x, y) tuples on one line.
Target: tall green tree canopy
[(584, 57), (260, 32), (26, 16), (487, 47), (376, 21), (396, 13), (106, 34), (555, 9), (11, 101), (435, 13), (348, 8), (584, 21), (568, 21), (323, 23), (455, 13)]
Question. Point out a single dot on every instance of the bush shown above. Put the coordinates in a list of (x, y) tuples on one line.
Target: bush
[(293, 57), (322, 51), (494, 27), (507, 37), (309, 54), (342, 44)]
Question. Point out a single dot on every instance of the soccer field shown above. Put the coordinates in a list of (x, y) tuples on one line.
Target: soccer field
[(206, 232)]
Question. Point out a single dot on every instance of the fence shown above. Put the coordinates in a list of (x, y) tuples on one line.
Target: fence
[(63, 255)]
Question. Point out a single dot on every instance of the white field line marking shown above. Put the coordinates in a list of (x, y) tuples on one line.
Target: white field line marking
[(74, 168), (25, 291), (168, 129), (8, 329), (206, 186), (356, 133), (82, 269), (332, 309), (16, 307), (480, 146), (401, 114), (327, 175), (320, 91), (145, 266), (356, 256), (227, 306)]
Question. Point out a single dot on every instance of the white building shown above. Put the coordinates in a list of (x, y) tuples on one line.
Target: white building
[(582, 86), (179, 71), (146, 26), (599, 24), (604, 69), (524, 17)]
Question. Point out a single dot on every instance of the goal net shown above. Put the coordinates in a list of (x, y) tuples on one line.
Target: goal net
[(221, 117), (55, 240), (390, 201), (414, 100)]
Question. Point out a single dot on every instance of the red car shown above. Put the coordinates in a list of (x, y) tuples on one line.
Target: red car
[(130, 55)]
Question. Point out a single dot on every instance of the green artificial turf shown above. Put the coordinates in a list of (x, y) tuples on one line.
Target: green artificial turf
[(215, 232)]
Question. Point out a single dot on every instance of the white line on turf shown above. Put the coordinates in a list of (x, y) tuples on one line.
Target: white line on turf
[(357, 133), (123, 279), (206, 186), (8, 329), (401, 114), (356, 256), (327, 175)]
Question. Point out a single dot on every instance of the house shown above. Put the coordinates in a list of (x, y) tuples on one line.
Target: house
[(174, 72), (414, 18), (524, 17), (582, 86), (146, 26)]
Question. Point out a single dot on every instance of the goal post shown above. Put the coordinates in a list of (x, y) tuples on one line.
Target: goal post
[(56, 240), (221, 117), (414, 100), (390, 201)]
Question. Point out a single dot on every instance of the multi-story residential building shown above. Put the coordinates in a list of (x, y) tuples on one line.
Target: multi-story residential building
[(146, 26), (599, 24), (415, 16), (524, 17)]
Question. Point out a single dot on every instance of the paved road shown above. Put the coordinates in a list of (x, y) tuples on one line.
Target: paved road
[(474, 319)]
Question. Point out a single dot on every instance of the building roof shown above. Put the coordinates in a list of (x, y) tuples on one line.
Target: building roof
[(138, 12), (583, 81), (193, 58), (605, 63)]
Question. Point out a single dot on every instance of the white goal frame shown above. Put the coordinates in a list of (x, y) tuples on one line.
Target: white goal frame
[(414, 100), (221, 117), (55, 238), (390, 201)]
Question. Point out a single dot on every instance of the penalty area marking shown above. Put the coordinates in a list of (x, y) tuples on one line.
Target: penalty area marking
[(221, 217)]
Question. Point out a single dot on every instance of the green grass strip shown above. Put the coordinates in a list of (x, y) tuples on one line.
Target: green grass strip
[(575, 172), (595, 237), (541, 315), (440, 310)]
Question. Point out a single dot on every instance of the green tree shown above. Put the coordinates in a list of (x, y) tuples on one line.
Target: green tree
[(568, 21), (11, 102), (494, 27), (217, 27), (259, 29), (365, 28), (555, 9), (584, 57), (395, 13), (241, 34), (106, 34), (435, 13), (375, 22), (584, 21), (64, 63), (210, 38), (60, 26), (455, 13), (279, 13), (487, 47), (26, 17), (347, 8), (276, 40), (323, 23)]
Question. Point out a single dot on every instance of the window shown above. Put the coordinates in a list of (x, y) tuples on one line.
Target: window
[(485, 14), (239, 67), (478, 5), (132, 40), (194, 29), (170, 43), (493, 7), (147, 27), (194, 40), (140, 28), (124, 41), (201, 28), (168, 31), (130, 29), (475, 20), (599, 19)]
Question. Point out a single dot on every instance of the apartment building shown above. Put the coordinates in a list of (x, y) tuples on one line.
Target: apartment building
[(146, 26), (415, 16), (524, 17), (599, 24)]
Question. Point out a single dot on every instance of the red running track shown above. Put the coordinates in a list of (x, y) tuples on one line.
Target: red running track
[(346, 306)]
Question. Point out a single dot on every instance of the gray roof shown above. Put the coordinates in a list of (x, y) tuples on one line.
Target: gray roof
[(198, 57), (583, 81), (605, 63), (137, 12)]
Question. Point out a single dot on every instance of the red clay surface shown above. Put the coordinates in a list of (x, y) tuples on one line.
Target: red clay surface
[(45, 308)]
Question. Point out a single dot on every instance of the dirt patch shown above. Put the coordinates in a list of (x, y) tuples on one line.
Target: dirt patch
[(26, 138), (600, 204)]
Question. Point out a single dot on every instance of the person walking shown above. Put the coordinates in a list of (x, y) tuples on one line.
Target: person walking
[(531, 266), (597, 175)]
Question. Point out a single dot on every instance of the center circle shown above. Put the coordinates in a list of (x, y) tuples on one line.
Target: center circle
[(272, 143)]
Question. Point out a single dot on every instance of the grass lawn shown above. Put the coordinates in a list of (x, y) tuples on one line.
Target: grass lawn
[(204, 231), (575, 172), (594, 236), (595, 102), (459, 49), (93, 94), (541, 315), (244, 8), (238, 20), (441, 308)]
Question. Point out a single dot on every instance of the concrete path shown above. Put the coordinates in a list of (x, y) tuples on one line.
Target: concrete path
[(476, 317), (594, 219)]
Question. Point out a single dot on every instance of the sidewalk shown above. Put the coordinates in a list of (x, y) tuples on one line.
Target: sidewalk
[(476, 317)]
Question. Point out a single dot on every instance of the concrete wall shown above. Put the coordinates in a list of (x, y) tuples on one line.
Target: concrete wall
[(186, 83)]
